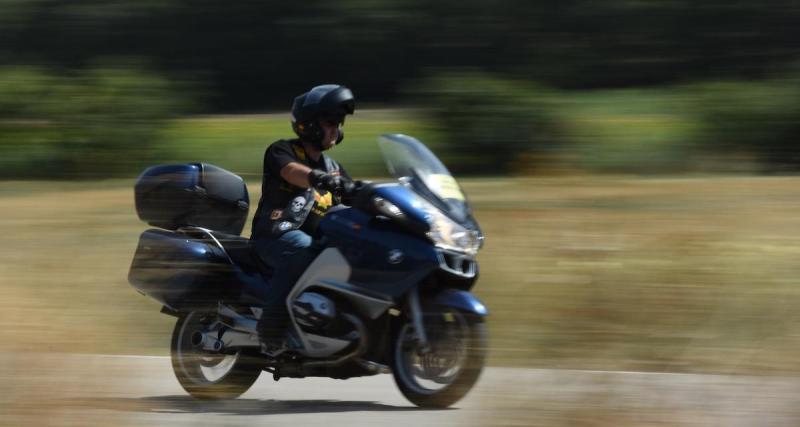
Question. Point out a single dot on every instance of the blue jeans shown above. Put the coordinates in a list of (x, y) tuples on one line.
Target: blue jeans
[(288, 255)]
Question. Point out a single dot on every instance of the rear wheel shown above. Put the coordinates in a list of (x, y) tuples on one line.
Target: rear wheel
[(443, 373), (208, 374)]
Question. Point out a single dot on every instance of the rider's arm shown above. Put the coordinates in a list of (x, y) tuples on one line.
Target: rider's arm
[(296, 174), (281, 157)]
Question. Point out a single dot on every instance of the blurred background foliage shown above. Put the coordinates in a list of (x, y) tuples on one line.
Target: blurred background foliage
[(92, 123), (491, 125), (656, 86), (759, 119)]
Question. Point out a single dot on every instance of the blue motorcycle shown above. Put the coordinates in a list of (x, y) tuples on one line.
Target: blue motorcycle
[(388, 292)]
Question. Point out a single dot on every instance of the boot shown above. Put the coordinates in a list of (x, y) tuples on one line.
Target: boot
[(271, 329)]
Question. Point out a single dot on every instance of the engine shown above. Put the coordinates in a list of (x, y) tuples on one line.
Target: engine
[(314, 312)]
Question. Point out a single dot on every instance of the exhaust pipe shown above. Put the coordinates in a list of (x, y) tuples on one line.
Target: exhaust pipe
[(207, 342)]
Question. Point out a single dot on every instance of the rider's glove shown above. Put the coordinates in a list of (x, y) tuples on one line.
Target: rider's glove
[(325, 181)]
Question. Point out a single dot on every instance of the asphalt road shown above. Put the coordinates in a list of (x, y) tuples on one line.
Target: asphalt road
[(97, 390)]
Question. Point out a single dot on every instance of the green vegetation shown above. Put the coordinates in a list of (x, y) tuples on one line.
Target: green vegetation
[(758, 120), (642, 131), (237, 143), (635, 131), (491, 125), (110, 122), (102, 122)]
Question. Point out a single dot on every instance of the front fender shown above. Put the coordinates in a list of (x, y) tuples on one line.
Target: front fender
[(461, 300)]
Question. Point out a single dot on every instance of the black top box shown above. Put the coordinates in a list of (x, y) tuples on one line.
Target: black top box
[(194, 194)]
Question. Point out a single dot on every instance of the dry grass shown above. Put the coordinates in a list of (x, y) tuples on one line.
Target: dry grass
[(63, 272), (673, 274)]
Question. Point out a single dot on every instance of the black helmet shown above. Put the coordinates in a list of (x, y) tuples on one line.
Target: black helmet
[(327, 102)]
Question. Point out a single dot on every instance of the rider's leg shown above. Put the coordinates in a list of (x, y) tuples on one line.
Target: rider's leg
[(288, 255)]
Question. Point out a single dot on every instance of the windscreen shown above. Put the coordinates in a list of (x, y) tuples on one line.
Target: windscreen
[(415, 165)]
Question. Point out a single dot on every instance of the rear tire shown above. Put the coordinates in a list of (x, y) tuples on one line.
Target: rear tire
[(441, 377), (205, 374)]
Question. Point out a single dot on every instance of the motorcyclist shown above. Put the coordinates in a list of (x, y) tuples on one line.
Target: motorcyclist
[(299, 184)]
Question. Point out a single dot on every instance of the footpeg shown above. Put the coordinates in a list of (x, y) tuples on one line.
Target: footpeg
[(373, 367), (273, 350)]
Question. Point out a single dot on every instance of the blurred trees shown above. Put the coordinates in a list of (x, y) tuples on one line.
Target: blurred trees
[(491, 125), (250, 55), (757, 119), (100, 122), (255, 54)]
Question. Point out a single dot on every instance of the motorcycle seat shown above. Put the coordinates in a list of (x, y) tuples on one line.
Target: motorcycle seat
[(242, 253)]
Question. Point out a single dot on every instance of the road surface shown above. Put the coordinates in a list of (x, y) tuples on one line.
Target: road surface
[(101, 390)]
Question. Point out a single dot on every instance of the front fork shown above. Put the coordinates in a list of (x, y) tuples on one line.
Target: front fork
[(460, 300), (416, 319)]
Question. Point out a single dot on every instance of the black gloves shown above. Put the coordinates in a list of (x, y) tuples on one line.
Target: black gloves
[(325, 181), (341, 187)]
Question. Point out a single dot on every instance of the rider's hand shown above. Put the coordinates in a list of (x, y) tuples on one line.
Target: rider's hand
[(325, 181)]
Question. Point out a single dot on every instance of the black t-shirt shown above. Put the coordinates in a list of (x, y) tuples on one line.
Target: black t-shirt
[(284, 206)]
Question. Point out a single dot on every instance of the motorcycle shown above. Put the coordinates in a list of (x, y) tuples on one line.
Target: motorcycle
[(388, 292)]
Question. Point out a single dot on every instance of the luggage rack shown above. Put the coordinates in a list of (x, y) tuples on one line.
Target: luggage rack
[(210, 234)]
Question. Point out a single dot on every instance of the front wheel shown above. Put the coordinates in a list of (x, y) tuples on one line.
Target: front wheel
[(442, 373), (206, 374)]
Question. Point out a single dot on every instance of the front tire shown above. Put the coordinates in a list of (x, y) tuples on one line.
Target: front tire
[(206, 374), (443, 375)]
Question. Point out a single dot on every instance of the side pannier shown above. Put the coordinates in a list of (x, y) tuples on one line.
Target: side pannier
[(181, 272)]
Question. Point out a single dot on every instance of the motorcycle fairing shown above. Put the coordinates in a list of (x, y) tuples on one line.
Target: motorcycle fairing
[(330, 270), (414, 217), (384, 258)]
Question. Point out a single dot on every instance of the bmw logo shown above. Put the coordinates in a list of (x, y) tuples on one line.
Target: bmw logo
[(396, 256)]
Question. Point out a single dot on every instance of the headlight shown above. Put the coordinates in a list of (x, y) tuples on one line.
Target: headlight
[(448, 234)]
